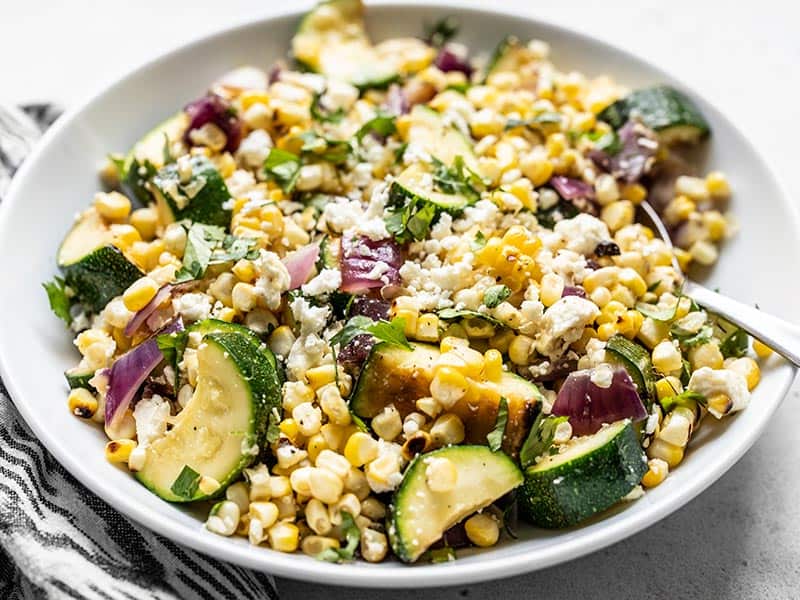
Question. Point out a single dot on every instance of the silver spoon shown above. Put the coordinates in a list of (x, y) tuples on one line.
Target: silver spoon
[(783, 337)]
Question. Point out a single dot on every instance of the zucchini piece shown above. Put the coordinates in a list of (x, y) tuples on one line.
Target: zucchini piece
[(589, 475), (332, 40), (202, 199), (415, 184), (93, 267), (419, 516), (636, 361), (79, 378), (509, 55), (330, 249), (663, 109), (428, 130), (392, 375), (147, 156), (219, 432)]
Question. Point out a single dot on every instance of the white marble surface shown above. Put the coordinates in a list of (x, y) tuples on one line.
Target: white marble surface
[(737, 540)]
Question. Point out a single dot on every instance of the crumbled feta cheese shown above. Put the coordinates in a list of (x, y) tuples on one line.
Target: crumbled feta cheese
[(582, 233), (342, 214), (151, 416), (240, 182), (312, 319), (563, 324), (193, 306), (415, 153), (711, 382), (339, 95), (327, 281), (307, 352), (602, 375), (273, 278), (254, 149)]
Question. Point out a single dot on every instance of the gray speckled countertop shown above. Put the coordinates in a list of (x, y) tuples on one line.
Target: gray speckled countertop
[(739, 539)]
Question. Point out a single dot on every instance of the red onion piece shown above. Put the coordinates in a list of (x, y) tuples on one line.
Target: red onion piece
[(129, 372), (215, 109), (396, 101), (368, 264), (635, 157), (300, 264), (453, 58), (589, 406), (571, 189), (142, 314), (573, 290)]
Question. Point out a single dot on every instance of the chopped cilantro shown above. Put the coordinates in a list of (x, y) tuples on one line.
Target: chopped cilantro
[(540, 438), (495, 436), (283, 167), (59, 299), (352, 536), (495, 294)]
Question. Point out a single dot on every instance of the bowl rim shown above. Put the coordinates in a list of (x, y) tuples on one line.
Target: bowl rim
[(417, 576)]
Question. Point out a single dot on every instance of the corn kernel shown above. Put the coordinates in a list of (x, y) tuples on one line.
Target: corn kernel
[(112, 206), (448, 386), (667, 358), (451, 343), (617, 215), (694, 187), (635, 192), (317, 517), (118, 451), (387, 424), (410, 318), (704, 252), (493, 365), (139, 293), (761, 349), (669, 453), (606, 189), (317, 377), (360, 449), (314, 545), (706, 355), (82, 403), (308, 418), (747, 367), (447, 429), (657, 471), (717, 185), (427, 328), (333, 405), (482, 530), (284, 537), (244, 270), (519, 350), (552, 287)]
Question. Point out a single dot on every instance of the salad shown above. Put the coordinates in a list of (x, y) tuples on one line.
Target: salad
[(384, 300)]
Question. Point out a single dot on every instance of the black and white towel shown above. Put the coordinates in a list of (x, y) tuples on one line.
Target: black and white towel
[(57, 539)]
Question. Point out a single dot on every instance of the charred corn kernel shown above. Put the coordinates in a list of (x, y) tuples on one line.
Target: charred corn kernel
[(630, 323), (519, 350), (448, 386), (668, 386), (482, 530), (447, 429), (281, 340), (244, 297), (427, 328), (244, 270), (717, 185), (747, 367), (317, 377), (223, 518), (657, 471), (314, 545), (694, 187), (118, 451), (334, 462), (284, 537), (707, 355), (552, 287), (633, 281), (679, 209), (761, 349), (507, 314), (139, 293), (611, 312), (315, 445), (112, 205), (666, 357), (317, 517), (617, 215), (715, 223), (82, 403), (606, 189), (451, 343), (493, 365), (410, 318), (676, 428), (669, 453), (360, 449), (240, 494), (288, 456), (374, 545), (635, 192), (704, 252), (441, 474), (536, 167), (308, 418), (208, 485), (605, 277), (333, 405), (278, 485), (387, 424)]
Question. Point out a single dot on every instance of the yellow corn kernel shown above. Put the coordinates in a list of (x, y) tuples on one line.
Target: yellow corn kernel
[(387, 424), (611, 312), (633, 281), (748, 368), (669, 453), (715, 224), (139, 293), (472, 360), (552, 287), (493, 365), (448, 386), (707, 355), (679, 209), (118, 451), (226, 314), (360, 449), (606, 331), (451, 343), (315, 445), (618, 215), (410, 318), (657, 471), (225, 164), (519, 350), (523, 190), (580, 344), (694, 187), (427, 328), (684, 258), (668, 386), (447, 429), (250, 97), (556, 143), (314, 545), (244, 297), (317, 377), (325, 485), (666, 357), (125, 236), (112, 206), (635, 192), (630, 323), (717, 185), (290, 429), (281, 340), (82, 403), (284, 537), (537, 168), (482, 530), (605, 277), (244, 270), (761, 349), (333, 405)]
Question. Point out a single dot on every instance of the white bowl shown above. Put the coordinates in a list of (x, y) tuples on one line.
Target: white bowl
[(60, 178)]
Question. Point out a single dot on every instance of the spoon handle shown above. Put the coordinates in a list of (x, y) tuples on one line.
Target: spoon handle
[(783, 337)]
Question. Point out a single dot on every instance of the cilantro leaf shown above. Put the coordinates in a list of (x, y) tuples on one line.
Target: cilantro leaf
[(209, 244), (458, 179), (359, 422), (495, 294), (442, 31), (273, 431), (689, 339), (172, 346), (478, 242), (540, 438), (382, 125), (59, 299), (392, 332), (495, 436), (608, 142), (333, 151), (736, 344), (686, 398), (658, 313), (352, 536), (544, 118), (186, 483), (283, 167), (441, 555), (322, 115)]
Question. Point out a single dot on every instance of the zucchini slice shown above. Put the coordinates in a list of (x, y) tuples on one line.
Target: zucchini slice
[(428, 130), (419, 516), (147, 156), (636, 361), (392, 375), (93, 267), (79, 378), (416, 184), (333, 41), (589, 475), (222, 427), (663, 109), (201, 199)]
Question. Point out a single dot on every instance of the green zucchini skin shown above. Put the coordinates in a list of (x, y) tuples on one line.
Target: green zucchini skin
[(206, 205), (662, 109), (76, 379), (560, 494), (100, 276), (637, 363)]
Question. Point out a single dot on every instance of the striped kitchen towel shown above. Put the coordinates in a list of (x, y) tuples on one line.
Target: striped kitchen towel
[(57, 539)]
